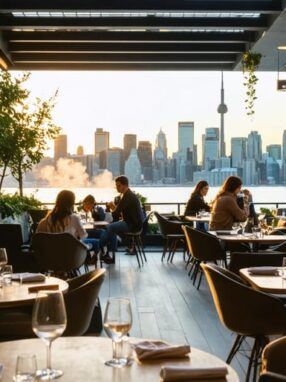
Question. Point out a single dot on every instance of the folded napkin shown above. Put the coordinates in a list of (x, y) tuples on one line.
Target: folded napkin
[(149, 350), (188, 372), (37, 288), (267, 271), (28, 277)]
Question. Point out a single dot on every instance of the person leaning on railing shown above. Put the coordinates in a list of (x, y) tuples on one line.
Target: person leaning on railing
[(225, 210)]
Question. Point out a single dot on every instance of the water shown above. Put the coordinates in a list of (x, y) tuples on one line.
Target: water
[(160, 194)]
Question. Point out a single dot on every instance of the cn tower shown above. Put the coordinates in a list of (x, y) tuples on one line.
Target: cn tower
[(222, 109)]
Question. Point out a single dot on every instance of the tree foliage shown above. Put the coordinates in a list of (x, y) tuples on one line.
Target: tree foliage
[(25, 127)]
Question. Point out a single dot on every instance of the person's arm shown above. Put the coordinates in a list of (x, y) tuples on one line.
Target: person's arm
[(239, 214), (80, 231)]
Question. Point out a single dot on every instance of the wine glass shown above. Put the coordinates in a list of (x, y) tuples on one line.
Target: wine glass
[(117, 323), (49, 322), (3, 257), (243, 226)]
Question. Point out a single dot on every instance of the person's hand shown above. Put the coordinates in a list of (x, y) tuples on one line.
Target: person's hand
[(110, 205)]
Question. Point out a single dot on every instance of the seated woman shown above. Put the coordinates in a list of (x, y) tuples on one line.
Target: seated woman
[(89, 205), (225, 210), (62, 219), (196, 201)]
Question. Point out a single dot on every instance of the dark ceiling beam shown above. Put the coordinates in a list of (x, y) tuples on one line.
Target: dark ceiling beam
[(124, 47), (124, 57), (143, 5), (9, 22), (139, 37), (123, 66)]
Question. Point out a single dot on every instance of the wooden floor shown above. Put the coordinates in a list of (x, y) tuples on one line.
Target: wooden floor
[(166, 306)]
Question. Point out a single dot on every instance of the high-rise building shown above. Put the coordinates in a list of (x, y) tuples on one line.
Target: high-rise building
[(238, 151), (101, 141), (129, 143), (185, 138), (145, 156), (284, 146), (133, 168), (115, 161), (254, 146), (80, 150), (60, 147), (250, 174), (210, 147), (161, 143), (274, 151), (222, 109)]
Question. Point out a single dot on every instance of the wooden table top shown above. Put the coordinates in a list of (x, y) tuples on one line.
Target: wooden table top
[(265, 283), (17, 294), (250, 238), (82, 360)]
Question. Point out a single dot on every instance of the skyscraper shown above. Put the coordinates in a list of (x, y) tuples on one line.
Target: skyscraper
[(161, 143), (133, 168), (60, 147), (114, 161), (129, 142), (238, 151), (145, 156), (185, 138), (274, 151), (222, 109), (254, 146), (101, 141), (211, 147)]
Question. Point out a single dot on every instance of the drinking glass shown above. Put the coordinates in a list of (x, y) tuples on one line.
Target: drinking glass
[(117, 323), (3, 257), (283, 270), (49, 322), (26, 368), (243, 226), (6, 274)]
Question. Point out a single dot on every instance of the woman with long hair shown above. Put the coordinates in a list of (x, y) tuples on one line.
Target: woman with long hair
[(225, 209), (196, 201), (63, 219)]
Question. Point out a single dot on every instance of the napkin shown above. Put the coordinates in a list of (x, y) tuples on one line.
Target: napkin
[(267, 271), (188, 372), (37, 288), (28, 277), (149, 350)]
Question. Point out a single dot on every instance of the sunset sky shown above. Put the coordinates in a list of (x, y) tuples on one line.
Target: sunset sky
[(142, 102)]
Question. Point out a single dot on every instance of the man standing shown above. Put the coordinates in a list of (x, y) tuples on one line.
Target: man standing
[(127, 217)]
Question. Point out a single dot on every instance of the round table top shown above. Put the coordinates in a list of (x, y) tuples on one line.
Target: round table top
[(82, 359), (17, 294)]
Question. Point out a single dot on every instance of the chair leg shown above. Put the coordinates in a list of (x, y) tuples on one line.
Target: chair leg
[(235, 347), (136, 251), (170, 250), (166, 245), (175, 246), (142, 248), (138, 248), (200, 279)]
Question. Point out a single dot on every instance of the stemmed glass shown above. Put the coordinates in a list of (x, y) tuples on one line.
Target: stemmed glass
[(49, 322), (117, 323), (243, 226), (3, 257)]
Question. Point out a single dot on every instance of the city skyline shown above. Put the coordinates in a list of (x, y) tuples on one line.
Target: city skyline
[(143, 102)]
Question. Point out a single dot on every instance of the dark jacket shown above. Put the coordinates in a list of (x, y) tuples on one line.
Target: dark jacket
[(130, 210), (98, 213), (195, 204)]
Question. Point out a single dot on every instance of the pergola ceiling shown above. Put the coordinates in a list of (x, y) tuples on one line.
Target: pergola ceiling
[(139, 34)]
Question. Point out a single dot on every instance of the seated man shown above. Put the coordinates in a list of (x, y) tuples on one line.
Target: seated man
[(129, 211), (89, 205)]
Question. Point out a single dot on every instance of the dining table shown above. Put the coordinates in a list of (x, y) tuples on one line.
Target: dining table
[(232, 236), (269, 283), (82, 359), (19, 294), (198, 219)]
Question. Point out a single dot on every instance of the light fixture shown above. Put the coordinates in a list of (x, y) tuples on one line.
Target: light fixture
[(281, 84)]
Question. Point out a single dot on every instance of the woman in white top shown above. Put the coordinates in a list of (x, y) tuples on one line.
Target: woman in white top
[(62, 219)]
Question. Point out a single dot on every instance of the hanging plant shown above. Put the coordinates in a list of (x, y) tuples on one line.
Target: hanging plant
[(250, 63)]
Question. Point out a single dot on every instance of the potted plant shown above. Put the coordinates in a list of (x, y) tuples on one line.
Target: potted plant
[(250, 63)]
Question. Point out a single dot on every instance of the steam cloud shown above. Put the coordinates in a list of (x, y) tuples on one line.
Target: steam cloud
[(68, 173)]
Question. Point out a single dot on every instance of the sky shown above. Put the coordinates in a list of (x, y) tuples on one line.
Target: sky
[(143, 102)]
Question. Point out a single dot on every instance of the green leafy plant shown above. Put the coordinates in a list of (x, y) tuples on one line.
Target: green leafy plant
[(266, 211), (13, 205), (141, 198), (250, 63)]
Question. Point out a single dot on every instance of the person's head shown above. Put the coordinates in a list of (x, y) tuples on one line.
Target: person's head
[(201, 188), (64, 205), (88, 203), (232, 184), (121, 183)]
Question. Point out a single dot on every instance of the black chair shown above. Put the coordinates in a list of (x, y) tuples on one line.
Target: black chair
[(172, 234), (36, 217), (245, 311), (239, 260), (60, 253), (273, 361), (19, 255), (203, 247), (81, 301), (135, 242)]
